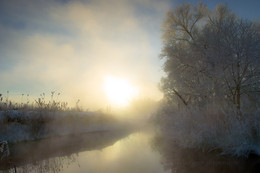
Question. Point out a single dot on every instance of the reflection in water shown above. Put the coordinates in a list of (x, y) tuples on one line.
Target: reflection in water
[(180, 160), (98, 153), (132, 154), (53, 154), (56, 164), (107, 152)]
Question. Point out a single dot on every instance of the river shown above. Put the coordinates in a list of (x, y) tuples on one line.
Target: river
[(105, 152), (115, 152)]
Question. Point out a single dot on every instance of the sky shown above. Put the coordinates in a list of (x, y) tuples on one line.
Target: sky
[(71, 46)]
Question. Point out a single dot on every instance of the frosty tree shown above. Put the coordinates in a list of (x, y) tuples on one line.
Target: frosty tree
[(210, 57)]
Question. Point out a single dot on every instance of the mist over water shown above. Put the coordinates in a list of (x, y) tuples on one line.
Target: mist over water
[(111, 152), (130, 86), (130, 154), (125, 151)]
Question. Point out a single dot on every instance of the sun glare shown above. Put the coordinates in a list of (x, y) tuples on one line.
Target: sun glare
[(119, 91)]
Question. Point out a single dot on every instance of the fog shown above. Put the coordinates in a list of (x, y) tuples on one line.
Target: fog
[(129, 86), (70, 47)]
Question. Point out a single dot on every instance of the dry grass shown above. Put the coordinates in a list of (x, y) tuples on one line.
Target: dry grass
[(35, 119)]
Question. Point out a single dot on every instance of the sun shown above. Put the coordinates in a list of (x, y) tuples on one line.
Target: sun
[(119, 91)]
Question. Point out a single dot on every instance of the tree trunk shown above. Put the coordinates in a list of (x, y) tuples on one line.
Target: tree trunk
[(182, 99), (238, 97)]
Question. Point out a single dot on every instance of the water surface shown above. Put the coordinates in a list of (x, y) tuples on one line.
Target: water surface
[(117, 152), (110, 152)]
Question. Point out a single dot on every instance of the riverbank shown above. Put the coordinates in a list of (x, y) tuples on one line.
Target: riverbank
[(17, 125), (212, 128)]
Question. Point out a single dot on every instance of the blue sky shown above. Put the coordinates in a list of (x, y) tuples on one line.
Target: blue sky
[(71, 46), (247, 9)]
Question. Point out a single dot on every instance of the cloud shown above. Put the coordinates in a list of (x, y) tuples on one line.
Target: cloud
[(71, 46)]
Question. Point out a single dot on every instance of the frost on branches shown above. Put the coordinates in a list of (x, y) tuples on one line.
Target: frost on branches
[(212, 82)]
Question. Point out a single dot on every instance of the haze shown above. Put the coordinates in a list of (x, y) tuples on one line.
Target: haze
[(71, 46)]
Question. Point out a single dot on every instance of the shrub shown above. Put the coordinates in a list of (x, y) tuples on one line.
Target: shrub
[(211, 128)]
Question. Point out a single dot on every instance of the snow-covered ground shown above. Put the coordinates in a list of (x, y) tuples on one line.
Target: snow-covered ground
[(16, 126), (211, 129)]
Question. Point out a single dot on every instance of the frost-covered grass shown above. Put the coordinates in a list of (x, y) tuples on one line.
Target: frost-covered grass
[(43, 103), (211, 128), (16, 126), (43, 119)]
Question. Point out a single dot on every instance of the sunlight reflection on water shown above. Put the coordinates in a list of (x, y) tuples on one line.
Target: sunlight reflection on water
[(118, 152), (131, 154)]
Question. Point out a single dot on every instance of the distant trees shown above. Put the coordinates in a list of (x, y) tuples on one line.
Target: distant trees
[(210, 57)]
